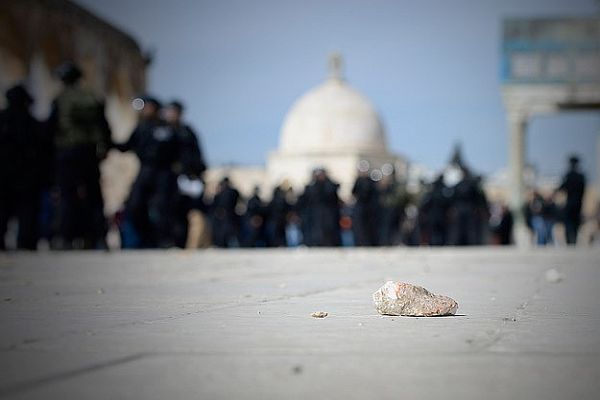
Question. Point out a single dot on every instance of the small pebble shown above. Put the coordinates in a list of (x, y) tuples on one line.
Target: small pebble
[(553, 276)]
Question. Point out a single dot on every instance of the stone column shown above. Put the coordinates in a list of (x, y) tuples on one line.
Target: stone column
[(517, 125)]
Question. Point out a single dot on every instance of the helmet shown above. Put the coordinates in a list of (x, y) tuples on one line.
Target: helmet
[(18, 96), (69, 72), (176, 105)]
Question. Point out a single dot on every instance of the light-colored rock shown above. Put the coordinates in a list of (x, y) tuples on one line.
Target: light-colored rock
[(398, 298), (319, 314)]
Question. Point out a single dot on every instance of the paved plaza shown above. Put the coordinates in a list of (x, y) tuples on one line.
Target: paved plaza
[(236, 325)]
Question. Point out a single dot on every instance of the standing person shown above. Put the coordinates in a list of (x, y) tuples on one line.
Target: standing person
[(255, 221), (366, 207), (22, 168), (434, 210), (468, 204), (301, 216), (393, 200), (323, 211), (81, 138), (277, 217), (149, 205), (225, 220), (573, 185), (190, 167), (542, 213)]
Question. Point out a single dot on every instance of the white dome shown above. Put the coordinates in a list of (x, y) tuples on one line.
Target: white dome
[(332, 118)]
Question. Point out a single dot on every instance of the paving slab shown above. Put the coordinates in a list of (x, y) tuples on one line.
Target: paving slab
[(220, 324)]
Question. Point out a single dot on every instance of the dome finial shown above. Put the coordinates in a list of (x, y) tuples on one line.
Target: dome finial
[(336, 67)]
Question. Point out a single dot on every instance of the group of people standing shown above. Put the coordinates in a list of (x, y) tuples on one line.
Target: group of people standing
[(50, 172), (155, 213), (311, 219), (383, 213), (455, 214), (446, 212)]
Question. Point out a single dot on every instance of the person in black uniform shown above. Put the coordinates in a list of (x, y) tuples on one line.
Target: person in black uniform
[(225, 220), (468, 204), (23, 166), (365, 215), (573, 185), (81, 139), (254, 218), (149, 204), (277, 217), (322, 211), (190, 167), (434, 209)]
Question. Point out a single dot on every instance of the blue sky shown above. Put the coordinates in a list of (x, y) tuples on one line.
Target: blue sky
[(431, 68)]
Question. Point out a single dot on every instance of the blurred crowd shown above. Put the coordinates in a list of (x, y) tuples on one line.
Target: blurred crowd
[(50, 180)]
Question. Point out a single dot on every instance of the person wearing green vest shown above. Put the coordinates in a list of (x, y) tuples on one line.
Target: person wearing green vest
[(81, 138)]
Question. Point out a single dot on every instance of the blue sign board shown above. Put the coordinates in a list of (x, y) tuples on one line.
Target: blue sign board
[(551, 50)]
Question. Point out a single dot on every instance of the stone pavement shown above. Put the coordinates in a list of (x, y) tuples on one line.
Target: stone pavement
[(236, 324)]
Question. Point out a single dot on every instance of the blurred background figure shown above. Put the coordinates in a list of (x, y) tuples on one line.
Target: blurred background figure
[(468, 211), (501, 224), (148, 209), (278, 212), (81, 139), (365, 221), (434, 213), (24, 168), (190, 168), (322, 211), (255, 221), (225, 220), (573, 185), (541, 214), (393, 200)]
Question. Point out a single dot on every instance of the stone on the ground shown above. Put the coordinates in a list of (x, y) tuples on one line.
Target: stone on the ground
[(319, 314), (398, 298)]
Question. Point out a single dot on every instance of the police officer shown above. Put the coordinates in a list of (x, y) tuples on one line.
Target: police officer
[(434, 213), (322, 211), (149, 204), (225, 220), (468, 211), (365, 215), (23, 167), (190, 166), (254, 218), (81, 138), (277, 217)]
